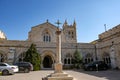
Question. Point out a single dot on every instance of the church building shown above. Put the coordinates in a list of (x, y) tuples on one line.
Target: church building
[(106, 48)]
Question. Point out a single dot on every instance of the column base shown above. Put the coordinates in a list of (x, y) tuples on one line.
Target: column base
[(58, 76), (58, 67)]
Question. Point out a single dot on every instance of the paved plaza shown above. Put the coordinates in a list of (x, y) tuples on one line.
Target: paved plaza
[(78, 75)]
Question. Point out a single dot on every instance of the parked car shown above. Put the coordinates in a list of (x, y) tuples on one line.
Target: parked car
[(97, 65), (8, 69), (24, 66)]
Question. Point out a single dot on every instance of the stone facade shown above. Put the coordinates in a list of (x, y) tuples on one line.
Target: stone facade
[(105, 48), (108, 46)]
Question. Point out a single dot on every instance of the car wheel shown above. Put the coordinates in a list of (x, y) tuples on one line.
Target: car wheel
[(5, 72), (26, 70)]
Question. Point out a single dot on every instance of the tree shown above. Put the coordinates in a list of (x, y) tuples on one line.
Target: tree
[(33, 57), (77, 59)]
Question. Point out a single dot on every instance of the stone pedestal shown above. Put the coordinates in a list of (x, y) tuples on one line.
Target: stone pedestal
[(58, 67), (58, 76)]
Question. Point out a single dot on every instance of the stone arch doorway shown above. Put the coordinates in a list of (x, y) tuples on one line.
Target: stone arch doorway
[(47, 62)]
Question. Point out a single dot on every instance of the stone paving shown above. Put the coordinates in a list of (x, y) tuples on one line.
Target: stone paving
[(77, 74)]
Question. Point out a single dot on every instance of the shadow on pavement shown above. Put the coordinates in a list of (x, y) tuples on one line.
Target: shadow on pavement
[(108, 74)]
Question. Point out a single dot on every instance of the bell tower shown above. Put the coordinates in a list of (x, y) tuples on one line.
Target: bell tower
[(70, 32)]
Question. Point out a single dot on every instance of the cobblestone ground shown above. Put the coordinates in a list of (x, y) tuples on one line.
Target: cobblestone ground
[(78, 75)]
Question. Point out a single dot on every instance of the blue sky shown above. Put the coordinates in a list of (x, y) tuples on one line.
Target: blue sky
[(18, 16)]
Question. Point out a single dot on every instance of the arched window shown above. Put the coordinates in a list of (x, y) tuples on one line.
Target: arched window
[(106, 58), (68, 59), (88, 58), (71, 34), (46, 37), (65, 61)]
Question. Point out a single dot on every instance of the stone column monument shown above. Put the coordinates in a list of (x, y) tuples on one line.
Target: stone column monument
[(58, 64), (58, 73)]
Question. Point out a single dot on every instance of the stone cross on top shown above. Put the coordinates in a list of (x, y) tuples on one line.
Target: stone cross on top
[(58, 23)]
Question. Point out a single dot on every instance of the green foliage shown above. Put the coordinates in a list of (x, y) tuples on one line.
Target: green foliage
[(77, 59), (33, 57)]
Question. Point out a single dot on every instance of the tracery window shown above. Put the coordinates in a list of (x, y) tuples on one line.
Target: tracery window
[(88, 58), (46, 37), (68, 59)]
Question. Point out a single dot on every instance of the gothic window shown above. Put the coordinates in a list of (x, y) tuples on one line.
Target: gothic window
[(46, 37), (68, 59), (65, 61), (106, 58), (70, 34), (88, 58)]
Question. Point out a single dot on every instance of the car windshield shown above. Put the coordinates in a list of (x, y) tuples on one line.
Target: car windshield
[(4, 64)]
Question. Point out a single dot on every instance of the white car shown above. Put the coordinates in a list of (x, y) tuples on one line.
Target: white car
[(8, 69)]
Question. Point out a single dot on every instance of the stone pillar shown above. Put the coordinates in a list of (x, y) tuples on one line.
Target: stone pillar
[(58, 64)]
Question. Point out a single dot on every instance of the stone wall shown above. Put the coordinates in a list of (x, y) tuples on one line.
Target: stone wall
[(14, 49), (107, 40)]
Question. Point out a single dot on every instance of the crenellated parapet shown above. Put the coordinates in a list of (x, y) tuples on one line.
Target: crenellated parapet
[(111, 32)]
